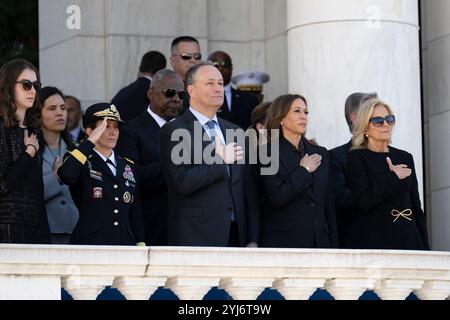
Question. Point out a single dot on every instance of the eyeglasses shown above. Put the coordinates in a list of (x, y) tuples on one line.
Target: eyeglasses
[(170, 93), (222, 64), (27, 84), (379, 121), (189, 56)]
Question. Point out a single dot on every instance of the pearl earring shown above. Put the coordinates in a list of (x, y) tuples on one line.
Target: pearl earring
[(282, 123)]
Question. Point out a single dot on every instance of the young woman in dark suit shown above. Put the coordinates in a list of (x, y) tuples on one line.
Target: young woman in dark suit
[(300, 205), (384, 186)]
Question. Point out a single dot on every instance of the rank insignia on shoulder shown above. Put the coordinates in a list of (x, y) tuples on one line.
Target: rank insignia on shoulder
[(127, 197), (97, 193), (128, 174)]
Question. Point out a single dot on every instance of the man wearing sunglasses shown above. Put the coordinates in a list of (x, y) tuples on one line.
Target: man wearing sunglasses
[(185, 52), (139, 142), (132, 100), (237, 106), (345, 207)]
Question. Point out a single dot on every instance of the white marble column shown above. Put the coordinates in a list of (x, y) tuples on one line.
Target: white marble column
[(436, 63), (336, 48)]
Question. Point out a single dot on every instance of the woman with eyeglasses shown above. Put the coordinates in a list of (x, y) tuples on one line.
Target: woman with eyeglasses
[(22, 212), (299, 207), (62, 213), (384, 186)]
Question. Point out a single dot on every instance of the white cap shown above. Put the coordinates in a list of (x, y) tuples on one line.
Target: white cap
[(250, 80)]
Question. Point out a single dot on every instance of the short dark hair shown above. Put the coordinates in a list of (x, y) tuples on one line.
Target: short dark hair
[(176, 41), (152, 62), (47, 92), (77, 101), (353, 102), (159, 76), (192, 72)]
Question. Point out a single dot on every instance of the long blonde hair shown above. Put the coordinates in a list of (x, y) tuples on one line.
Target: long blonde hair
[(359, 140)]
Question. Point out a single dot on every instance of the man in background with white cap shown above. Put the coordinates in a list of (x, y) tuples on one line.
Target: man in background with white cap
[(251, 82)]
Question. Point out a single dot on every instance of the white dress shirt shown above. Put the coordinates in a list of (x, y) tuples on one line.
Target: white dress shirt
[(160, 121), (204, 119), (112, 157)]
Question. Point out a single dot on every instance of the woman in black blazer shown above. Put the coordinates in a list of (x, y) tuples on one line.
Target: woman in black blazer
[(300, 207), (384, 186)]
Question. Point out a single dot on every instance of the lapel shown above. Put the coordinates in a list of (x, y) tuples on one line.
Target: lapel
[(190, 120), (224, 112), (290, 160), (150, 125), (234, 104), (120, 168), (98, 162), (319, 175)]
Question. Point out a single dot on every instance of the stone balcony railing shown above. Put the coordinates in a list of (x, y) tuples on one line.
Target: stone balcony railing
[(40, 271)]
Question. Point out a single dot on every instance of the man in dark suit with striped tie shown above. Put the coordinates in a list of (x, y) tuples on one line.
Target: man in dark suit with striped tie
[(210, 203)]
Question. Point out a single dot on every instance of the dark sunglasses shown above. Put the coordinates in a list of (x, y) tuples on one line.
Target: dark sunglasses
[(379, 121), (189, 56), (170, 93), (27, 84), (222, 64)]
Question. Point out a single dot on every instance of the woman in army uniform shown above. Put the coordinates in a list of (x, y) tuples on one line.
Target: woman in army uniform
[(102, 184)]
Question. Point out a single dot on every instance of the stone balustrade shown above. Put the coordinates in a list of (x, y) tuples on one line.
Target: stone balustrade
[(39, 272)]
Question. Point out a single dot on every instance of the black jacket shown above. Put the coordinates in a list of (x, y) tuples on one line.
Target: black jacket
[(139, 142), (300, 205), (389, 214), (202, 196), (345, 208), (132, 100), (109, 206), (23, 218)]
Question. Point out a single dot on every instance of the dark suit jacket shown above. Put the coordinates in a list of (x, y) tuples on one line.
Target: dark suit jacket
[(109, 206), (242, 106), (139, 142), (202, 196), (132, 100), (300, 208), (345, 208)]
